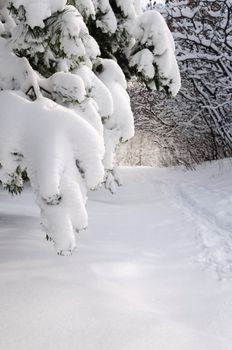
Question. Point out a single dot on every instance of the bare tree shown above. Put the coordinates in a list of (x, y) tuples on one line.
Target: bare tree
[(178, 138), (203, 36)]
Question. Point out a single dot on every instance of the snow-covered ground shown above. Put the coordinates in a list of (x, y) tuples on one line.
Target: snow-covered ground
[(152, 272)]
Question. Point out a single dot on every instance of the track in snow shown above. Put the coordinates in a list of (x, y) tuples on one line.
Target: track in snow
[(214, 234)]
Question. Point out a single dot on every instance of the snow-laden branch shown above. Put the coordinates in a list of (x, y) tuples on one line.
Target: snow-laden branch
[(153, 54), (61, 153)]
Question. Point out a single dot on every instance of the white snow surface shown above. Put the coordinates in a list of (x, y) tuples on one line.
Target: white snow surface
[(153, 270)]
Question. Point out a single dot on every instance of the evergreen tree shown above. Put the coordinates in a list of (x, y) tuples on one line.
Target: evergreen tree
[(65, 107)]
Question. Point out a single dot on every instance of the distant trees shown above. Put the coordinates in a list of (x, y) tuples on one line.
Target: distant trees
[(197, 124), (166, 123), (203, 35)]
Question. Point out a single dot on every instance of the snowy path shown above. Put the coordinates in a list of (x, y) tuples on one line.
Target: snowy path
[(153, 271)]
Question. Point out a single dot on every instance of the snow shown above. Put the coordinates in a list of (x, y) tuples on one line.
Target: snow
[(136, 281), (50, 156), (127, 7), (38, 10), (97, 90), (144, 60), (106, 19), (67, 86), (119, 127), (86, 8), (14, 71), (82, 92), (74, 38), (122, 117), (154, 47)]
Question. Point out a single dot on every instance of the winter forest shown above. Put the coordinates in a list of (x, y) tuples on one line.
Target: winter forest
[(115, 174)]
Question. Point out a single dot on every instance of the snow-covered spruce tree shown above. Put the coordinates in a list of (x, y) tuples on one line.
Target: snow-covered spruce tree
[(64, 104), (202, 30)]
